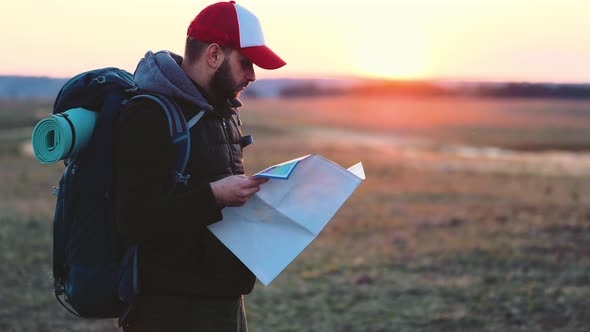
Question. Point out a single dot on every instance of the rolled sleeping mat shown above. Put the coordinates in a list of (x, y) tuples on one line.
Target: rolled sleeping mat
[(63, 135)]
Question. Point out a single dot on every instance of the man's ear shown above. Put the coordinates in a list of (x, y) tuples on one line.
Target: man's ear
[(215, 55)]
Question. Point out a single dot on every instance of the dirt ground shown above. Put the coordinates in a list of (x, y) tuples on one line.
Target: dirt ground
[(443, 235)]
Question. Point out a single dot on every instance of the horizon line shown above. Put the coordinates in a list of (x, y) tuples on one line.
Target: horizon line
[(371, 78)]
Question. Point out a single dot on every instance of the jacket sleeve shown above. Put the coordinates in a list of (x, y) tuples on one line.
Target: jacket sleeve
[(143, 172)]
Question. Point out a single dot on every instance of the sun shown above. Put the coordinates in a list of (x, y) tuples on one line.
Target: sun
[(393, 55)]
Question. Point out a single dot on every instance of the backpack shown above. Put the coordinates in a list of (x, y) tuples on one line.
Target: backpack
[(94, 271)]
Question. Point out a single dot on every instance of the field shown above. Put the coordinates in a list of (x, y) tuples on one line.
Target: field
[(475, 216)]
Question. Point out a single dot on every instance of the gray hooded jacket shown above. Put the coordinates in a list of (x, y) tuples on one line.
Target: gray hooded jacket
[(160, 73)]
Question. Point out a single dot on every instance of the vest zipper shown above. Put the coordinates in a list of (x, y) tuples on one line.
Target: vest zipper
[(231, 159)]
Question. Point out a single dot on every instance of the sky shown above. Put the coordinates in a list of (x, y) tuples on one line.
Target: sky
[(478, 40)]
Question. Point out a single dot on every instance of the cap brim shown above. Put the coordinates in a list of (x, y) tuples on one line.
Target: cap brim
[(263, 57)]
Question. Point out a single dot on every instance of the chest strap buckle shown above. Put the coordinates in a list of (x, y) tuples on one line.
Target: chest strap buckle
[(182, 178)]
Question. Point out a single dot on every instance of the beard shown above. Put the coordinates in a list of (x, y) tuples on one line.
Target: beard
[(223, 85)]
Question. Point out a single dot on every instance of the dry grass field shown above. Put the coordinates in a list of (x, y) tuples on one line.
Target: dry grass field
[(475, 216)]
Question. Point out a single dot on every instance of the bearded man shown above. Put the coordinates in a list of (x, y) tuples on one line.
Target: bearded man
[(188, 280)]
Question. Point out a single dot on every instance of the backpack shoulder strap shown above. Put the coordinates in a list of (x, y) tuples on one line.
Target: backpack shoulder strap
[(193, 121), (179, 133)]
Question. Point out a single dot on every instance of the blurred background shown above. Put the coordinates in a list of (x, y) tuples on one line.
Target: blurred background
[(472, 120)]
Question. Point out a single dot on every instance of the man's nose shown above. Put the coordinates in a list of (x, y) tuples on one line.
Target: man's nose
[(250, 75)]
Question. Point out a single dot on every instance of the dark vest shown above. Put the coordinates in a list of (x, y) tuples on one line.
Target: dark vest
[(216, 152), (215, 146)]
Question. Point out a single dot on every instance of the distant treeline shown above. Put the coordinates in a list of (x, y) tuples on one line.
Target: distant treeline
[(24, 87), (431, 89), (21, 87), (529, 90)]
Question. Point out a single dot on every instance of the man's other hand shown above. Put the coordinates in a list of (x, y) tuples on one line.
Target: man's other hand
[(235, 190)]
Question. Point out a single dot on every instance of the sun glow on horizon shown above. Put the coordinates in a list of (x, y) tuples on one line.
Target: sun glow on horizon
[(394, 55), (392, 42)]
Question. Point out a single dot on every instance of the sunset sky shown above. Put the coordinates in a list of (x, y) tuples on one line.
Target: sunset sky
[(521, 40)]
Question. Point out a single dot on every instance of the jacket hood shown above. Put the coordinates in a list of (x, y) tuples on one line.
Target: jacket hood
[(160, 73)]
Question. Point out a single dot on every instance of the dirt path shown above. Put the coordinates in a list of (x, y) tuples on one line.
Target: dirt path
[(424, 153)]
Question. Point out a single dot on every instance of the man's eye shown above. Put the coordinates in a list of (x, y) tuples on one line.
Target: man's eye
[(246, 64)]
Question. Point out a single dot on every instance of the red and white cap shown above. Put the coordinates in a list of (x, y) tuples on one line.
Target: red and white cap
[(231, 25)]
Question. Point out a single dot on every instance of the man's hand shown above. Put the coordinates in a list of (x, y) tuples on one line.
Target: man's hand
[(235, 190)]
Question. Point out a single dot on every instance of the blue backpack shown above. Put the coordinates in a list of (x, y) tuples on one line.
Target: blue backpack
[(94, 271)]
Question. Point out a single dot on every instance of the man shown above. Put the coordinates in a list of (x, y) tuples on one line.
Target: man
[(189, 281)]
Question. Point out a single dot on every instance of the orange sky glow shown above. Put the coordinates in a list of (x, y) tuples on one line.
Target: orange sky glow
[(518, 40)]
